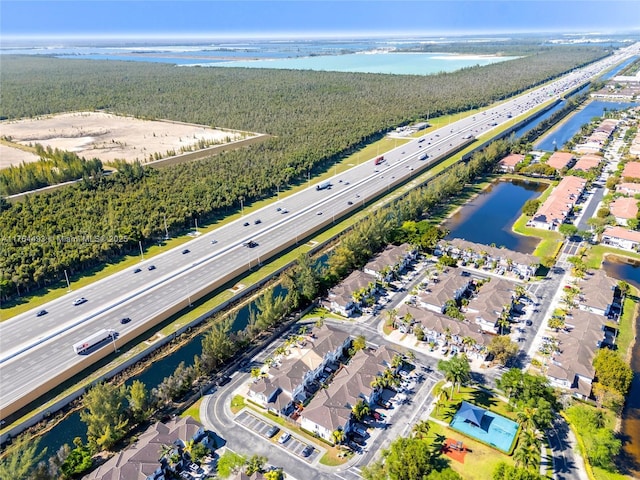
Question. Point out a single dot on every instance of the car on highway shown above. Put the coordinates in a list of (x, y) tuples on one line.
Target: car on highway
[(213, 242), (318, 213), (185, 251), (284, 210), (125, 320), (41, 313), (137, 270), (272, 431), (250, 244), (308, 450), (284, 438), (151, 267), (246, 224), (257, 221), (349, 202), (79, 301)]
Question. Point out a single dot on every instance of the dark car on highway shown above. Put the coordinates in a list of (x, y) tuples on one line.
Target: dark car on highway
[(185, 251), (250, 244), (125, 320), (246, 224), (257, 221), (137, 270), (151, 267), (42, 312)]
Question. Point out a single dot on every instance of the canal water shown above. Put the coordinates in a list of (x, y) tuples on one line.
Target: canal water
[(488, 218), (558, 137), (630, 273), (73, 427)]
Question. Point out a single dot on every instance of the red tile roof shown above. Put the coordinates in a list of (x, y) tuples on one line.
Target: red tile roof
[(587, 162), (512, 160), (559, 160), (624, 207), (632, 170)]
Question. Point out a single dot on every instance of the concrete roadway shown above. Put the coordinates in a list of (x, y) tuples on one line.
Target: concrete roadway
[(36, 348)]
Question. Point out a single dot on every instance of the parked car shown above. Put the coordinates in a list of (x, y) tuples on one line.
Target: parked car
[(308, 450), (223, 381), (528, 323), (272, 431), (284, 438)]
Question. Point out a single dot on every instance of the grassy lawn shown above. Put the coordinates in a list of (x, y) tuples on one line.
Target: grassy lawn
[(549, 240), (193, 411), (237, 404), (626, 334), (480, 461), (320, 313), (482, 398)]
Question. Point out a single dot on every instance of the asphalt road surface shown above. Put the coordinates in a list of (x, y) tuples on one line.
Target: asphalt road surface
[(34, 349)]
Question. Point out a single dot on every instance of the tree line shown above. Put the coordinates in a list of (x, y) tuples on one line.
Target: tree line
[(315, 118), (54, 166)]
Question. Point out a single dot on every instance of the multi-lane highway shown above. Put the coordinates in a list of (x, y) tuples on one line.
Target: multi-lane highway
[(35, 349)]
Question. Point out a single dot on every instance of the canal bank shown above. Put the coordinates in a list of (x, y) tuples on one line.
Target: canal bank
[(628, 269)]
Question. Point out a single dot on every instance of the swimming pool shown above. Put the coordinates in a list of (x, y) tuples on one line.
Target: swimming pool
[(494, 430)]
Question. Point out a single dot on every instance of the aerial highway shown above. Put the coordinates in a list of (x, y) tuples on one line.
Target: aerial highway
[(37, 351)]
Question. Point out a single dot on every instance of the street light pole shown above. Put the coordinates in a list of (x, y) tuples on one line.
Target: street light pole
[(67, 278), (141, 252)]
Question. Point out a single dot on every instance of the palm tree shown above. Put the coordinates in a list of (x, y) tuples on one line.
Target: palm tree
[(527, 456), (397, 360), (503, 321), (338, 437), (467, 343), (527, 418), (421, 429), (442, 400), (360, 410), (392, 317)]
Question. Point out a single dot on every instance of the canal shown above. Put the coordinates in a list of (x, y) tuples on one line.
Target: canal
[(488, 218), (72, 426), (630, 273), (564, 132)]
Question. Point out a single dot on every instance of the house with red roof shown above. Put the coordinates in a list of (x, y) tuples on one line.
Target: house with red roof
[(587, 162), (631, 170), (624, 209), (508, 163), (560, 160), (557, 207), (621, 238)]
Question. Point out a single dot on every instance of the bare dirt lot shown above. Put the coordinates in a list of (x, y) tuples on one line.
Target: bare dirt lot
[(109, 137)]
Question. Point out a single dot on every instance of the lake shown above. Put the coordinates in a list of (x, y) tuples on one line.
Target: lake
[(488, 218)]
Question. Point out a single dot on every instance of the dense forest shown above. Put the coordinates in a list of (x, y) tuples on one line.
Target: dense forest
[(314, 117), (55, 166)]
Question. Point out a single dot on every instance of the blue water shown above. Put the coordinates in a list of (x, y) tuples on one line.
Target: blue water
[(615, 71), (395, 63), (488, 218), (567, 130), (495, 430)]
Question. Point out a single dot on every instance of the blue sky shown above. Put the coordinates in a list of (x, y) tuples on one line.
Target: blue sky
[(239, 18)]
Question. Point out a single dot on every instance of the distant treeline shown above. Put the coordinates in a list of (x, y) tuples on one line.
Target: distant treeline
[(55, 166), (315, 118)]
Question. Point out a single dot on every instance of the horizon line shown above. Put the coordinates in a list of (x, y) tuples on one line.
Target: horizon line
[(156, 36)]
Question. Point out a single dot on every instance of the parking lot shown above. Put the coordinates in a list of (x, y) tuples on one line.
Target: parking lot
[(294, 445)]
